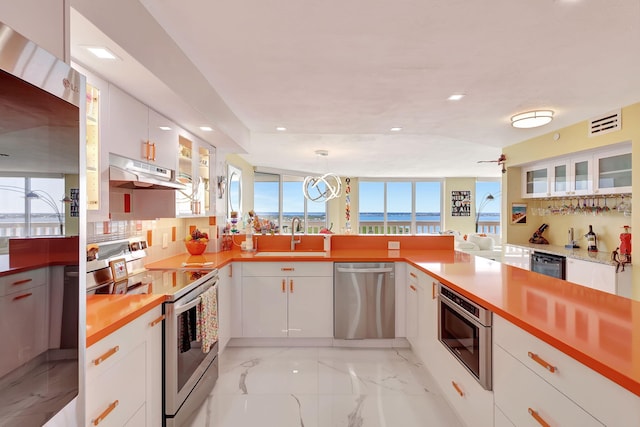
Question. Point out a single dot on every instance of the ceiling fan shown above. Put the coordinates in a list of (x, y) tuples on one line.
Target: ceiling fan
[(501, 160)]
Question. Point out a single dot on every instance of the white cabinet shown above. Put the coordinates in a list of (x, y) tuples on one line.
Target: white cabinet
[(224, 306), (195, 158), (613, 171), (41, 22), (422, 332), (571, 177), (130, 135), (473, 404), (412, 302), (599, 276), (568, 391), (124, 374), (24, 299), (535, 181), (287, 300)]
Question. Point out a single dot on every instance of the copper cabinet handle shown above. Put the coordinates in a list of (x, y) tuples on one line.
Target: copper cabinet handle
[(291, 285), (147, 148), (413, 288), (413, 275), (105, 413), (105, 356), (231, 270), (158, 320), (434, 286), (287, 269), (22, 296), (458, 389), (153, 151), (22, 282), (283, 286), (538, 418), (542, 362)]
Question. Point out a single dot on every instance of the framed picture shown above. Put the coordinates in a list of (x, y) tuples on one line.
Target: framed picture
[(120, 288), (461, 203), (518, 213), (119, 269)]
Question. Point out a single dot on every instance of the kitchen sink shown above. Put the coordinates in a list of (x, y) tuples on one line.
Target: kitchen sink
[(292, 253)]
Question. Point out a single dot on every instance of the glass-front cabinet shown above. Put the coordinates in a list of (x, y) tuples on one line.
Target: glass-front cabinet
[(194, 160), (613, 172), (535, 180), (571, 177)]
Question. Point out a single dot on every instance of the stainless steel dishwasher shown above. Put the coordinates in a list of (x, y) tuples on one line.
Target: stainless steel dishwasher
[(364, 300)]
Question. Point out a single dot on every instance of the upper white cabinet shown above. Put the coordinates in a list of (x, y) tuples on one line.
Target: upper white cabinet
[(571, 177), (132, 127), (535, 181), (613, 172), (195, 158), (602, 171)]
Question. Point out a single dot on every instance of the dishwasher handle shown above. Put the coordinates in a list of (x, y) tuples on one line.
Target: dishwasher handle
[(364, 270)]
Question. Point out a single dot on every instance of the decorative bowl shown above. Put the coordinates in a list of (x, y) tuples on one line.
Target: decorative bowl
[(195, 247)]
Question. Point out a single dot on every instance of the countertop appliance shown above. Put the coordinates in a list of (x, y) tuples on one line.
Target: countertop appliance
[(40, 129), (364, 300), (189, 371), (549, 264), (464, 328)]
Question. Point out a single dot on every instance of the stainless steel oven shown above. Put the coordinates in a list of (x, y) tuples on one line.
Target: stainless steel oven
[(190, 371), (464, 328)]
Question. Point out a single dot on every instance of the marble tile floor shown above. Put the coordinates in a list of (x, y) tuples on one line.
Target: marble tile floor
[(323, 387)]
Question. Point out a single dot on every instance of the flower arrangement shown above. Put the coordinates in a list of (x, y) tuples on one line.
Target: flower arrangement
[(196, 242)]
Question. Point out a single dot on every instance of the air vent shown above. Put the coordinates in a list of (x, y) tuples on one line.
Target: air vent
[(606, 123)]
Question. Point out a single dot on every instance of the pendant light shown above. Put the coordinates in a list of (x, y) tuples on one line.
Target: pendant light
[(322, 188)]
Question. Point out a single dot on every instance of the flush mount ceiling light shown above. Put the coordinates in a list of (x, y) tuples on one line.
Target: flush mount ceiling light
[(206, 128), (322, 188), (456, 97), (281, 128), (532, 119), (395, 129), (164, 127)]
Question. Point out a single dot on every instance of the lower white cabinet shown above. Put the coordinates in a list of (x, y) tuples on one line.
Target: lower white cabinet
[(600, 276), (529, 373), (287, 300), (224, 306), (422, 326), (124, 375), (473, 404)]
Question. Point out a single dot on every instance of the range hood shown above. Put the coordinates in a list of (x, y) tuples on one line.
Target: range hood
[(128, 173)]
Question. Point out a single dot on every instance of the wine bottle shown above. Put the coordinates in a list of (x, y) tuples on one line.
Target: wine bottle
[(591, 240)]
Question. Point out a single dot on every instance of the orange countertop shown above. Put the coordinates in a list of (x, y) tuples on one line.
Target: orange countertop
[(108, 313), (595, 328)]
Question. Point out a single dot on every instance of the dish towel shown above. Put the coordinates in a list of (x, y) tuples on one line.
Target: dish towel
[(207, 324)]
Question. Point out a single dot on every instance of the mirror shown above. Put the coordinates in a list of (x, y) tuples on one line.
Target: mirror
[(234, 191)]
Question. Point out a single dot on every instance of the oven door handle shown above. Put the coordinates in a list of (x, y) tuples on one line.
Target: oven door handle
[(188, 306), (461, 312)]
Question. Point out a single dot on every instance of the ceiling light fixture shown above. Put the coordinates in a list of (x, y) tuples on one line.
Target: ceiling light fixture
[(456, 97), (281, 128), (532, 119), (395, 129), (164, 127), (322, 188), (206, 128), (101, 52)]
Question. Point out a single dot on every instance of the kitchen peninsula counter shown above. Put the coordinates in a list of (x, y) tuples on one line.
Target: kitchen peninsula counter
[(524, 298), (576, 253)]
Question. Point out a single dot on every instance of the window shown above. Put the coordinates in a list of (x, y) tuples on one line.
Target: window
[(31, 207), (488, 204), (278, 198), (399, 207)]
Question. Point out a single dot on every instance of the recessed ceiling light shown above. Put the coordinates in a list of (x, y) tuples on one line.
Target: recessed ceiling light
[(164, 127), (395, 129), (101, 52), (456, 97), (532, 119), (206, 128), (281, 128)]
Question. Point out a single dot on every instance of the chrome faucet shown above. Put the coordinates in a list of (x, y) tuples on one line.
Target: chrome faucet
[(294, 242)]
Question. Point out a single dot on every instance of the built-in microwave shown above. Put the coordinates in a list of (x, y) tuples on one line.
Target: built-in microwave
[(464, 328)]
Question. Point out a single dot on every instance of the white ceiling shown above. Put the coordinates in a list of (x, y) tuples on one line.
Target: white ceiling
[(339, 74)]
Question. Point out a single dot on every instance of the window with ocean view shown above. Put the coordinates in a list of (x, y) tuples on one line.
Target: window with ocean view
[(399, 207), (279, 198), (488, 204)]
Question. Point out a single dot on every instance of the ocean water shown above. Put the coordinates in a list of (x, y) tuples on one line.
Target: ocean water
[(379, 217)]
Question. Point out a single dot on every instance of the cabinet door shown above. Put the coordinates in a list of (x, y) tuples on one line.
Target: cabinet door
[(153, 405), (26, 335), (581, 176), (535, 181), (310, 307), (613, 172), (264, 307), (128, 131), (428, 314), (412, 311), (164, 134), (224, 307), (592, 274)]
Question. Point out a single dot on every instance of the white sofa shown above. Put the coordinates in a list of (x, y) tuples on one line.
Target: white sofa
[(484, 245)]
